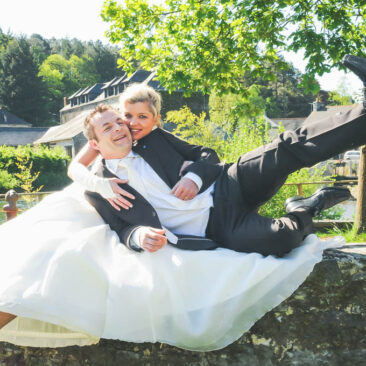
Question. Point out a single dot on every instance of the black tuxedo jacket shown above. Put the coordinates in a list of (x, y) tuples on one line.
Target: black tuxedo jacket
[(165, 153)]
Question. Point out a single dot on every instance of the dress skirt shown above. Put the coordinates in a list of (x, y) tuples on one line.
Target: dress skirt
[(65, 275)]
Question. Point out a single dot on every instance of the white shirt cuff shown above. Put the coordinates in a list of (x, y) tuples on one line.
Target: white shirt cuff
[(195, 178), (135, 237), (173, 239)]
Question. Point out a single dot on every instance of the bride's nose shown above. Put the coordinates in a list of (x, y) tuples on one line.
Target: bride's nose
[(132, 122)]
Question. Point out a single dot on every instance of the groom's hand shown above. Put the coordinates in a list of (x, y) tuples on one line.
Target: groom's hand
[(119, 200), (185, 189), (152, 239)]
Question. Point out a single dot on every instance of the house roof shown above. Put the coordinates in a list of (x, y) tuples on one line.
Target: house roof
[(138, 76), (119, 80), (81, 92), (65, 131), (331, 111), (74, 95), (290, 123), (270, 121), (14, 136), (8, 119), (109, 83)]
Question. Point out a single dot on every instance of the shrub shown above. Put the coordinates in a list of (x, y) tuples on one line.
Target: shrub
[(7, 181), (249, 134), (51, 163)]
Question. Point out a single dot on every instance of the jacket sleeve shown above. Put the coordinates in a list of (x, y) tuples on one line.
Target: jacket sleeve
[(205, 160), (123, 229)]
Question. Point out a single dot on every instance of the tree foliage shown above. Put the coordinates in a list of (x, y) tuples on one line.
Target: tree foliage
[(63, 77), (20, 86), (36, 73), (200, 45)]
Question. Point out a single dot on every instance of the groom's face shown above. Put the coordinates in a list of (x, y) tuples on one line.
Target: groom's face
[(113, 138)]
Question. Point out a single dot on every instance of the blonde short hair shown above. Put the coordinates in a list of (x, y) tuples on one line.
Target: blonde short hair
[(89, 131), (142, 93)]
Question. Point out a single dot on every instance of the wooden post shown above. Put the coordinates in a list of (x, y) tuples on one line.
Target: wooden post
[(11, 208), (299, 189), (360, 219)]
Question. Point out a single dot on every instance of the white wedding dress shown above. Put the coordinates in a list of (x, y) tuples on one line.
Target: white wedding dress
[(65, 275)]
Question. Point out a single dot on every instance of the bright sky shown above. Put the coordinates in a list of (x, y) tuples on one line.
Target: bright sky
[(80, 19)]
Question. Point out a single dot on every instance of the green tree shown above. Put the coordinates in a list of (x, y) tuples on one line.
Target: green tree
[(335, 98), (62, 77), (209, 44), (39, 48), (4, 40), (227, 110), (20, 87), (284, 96), (105, 60)]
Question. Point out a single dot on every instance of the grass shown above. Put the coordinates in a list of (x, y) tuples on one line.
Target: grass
[(349, 234)]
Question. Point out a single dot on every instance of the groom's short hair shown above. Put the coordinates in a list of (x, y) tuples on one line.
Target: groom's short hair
[(89, 131)]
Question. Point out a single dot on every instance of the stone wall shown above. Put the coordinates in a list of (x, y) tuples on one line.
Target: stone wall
[(68, 113), (322, 323)]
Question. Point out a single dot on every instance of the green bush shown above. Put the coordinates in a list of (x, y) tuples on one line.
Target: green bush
[(51, 163), (249, 134), (7, 181)]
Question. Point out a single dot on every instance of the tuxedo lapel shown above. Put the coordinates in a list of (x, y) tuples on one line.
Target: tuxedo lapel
[(161, 156)]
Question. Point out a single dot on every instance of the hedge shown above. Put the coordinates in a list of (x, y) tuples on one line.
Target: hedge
[(50, 162)]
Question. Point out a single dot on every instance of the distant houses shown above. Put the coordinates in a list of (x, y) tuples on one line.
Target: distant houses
[(69, 133), (14, 131)]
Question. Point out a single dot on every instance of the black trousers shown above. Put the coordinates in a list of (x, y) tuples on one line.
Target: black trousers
[(256, 177)]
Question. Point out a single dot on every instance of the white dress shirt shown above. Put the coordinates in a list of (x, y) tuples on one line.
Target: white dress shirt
[(178, 216)]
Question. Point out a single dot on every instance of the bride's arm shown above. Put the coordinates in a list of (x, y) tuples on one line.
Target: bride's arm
[(79, 173), (107, 188)]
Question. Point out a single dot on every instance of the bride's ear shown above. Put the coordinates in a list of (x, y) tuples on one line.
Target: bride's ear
[(158, 120)]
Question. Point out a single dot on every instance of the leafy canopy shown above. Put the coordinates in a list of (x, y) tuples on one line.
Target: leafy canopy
[(200, 45)]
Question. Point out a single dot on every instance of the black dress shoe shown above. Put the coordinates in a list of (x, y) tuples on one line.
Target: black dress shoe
[(357, 65), (322, 199)]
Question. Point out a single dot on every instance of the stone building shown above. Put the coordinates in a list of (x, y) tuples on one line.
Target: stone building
[(69, 133), (14, 131)]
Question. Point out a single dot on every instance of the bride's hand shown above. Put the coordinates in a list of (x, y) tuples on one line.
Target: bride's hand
[(119, 200)]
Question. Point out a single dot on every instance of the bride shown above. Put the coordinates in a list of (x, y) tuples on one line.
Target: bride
[(68, 280)]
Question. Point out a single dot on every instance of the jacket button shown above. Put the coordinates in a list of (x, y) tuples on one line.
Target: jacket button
[(154, 214), (144, 147)]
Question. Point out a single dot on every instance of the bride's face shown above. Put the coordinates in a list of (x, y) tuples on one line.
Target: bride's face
[(113, 136), (139, 118)]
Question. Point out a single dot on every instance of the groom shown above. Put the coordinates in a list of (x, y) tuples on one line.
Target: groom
[(232, 221)]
